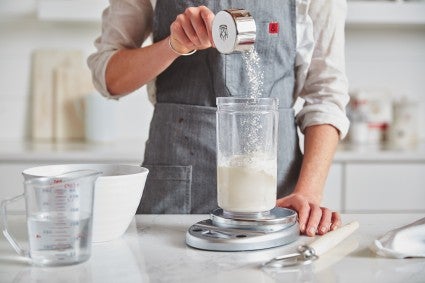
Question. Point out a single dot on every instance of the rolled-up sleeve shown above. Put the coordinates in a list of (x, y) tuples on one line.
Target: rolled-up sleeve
[(325, 88), (125, 24)]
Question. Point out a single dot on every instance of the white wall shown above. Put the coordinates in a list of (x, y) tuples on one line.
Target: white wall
[(388, 57), (20, 33)]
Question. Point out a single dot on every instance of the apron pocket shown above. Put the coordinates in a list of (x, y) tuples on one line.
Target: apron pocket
[(167, 190)]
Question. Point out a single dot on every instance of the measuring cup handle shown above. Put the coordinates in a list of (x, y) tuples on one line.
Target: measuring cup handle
[(6, 233)]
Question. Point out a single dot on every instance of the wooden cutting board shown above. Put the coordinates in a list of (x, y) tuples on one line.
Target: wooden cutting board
[(71, 85), (44, 62)]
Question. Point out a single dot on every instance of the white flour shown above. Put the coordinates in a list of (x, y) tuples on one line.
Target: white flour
[(255, 73), (247, 184)]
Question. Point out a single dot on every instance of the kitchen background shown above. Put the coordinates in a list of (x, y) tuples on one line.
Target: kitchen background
[(385, 61)]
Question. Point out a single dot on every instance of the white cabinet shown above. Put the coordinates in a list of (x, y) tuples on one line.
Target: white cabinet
[(372, 181), (384, 187), (332, 197)]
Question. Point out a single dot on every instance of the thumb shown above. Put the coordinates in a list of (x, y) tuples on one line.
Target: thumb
[(285, 202)]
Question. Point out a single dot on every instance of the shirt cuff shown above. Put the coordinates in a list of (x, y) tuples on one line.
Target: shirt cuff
[(98, 63), (323, 114)]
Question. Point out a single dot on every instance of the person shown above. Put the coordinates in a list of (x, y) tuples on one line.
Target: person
[(301, 46)]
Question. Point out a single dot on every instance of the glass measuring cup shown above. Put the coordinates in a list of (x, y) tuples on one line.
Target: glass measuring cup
[(247, 154), (59, 214)]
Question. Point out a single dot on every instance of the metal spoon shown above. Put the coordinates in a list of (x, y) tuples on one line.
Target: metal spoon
[(308, 253)]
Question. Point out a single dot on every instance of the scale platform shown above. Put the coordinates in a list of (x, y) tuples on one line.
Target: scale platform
[(244, 232)]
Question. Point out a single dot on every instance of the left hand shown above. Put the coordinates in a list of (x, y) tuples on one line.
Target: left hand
[(313, 218)]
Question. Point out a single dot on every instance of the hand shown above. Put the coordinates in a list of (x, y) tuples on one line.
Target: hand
[(312, 218), (192, 30)]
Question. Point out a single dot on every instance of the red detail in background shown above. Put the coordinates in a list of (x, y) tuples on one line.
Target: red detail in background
[(273, 27)]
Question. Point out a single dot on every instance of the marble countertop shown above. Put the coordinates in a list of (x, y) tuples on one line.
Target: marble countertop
[(153, 250)]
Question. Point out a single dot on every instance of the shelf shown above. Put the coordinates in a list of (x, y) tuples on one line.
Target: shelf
[(386, 13), (123, 151), (375, 153), (132, 151), (71, 10)]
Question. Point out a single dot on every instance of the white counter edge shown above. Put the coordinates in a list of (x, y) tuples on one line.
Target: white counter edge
[(133, 151)]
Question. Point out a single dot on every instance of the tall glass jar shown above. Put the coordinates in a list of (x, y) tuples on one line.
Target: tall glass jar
[(247, 154)]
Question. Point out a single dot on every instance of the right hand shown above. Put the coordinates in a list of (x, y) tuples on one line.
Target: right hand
[(313, 218), (192, 30)]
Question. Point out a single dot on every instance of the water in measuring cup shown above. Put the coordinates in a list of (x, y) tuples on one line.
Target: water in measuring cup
[(247, 184), (57, 239)]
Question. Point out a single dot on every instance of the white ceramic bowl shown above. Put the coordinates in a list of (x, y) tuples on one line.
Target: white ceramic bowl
[(118, 192)]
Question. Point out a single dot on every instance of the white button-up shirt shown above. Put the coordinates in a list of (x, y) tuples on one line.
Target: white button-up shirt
[(320, 61)]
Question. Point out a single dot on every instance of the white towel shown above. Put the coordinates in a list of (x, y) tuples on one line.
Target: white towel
[(406, 241)]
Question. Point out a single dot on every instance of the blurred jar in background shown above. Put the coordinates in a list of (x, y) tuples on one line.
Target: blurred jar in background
[(100, 119), (358, 113), (370, 113), (404, 130)]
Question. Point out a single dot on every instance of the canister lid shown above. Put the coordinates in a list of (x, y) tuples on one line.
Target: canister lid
[(233, 30)]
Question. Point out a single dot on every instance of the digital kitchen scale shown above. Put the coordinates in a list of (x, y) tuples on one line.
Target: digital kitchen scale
[(244, 231)]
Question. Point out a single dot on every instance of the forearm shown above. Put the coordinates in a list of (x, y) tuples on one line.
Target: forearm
[(129, 69), (320, 143)]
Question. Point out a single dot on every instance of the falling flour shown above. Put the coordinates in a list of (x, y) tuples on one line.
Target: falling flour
[(255, 73)]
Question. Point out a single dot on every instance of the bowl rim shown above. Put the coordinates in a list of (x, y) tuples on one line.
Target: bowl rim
[(138, 169)]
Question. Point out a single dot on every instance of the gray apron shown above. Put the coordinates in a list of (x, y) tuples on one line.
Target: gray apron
[(181, 150)]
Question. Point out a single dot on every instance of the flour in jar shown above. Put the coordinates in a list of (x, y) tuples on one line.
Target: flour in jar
[(247, 184)]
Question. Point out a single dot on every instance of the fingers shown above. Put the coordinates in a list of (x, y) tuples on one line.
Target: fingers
[(325, 222), (300, 205), (179, 39), (336, 221), (312, 218), (186, 23), (192, 29), (200, 27), (322, 220), (303, 214), (208, 17)]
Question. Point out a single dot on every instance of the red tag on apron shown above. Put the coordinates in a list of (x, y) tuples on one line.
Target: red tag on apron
[(273, 27)]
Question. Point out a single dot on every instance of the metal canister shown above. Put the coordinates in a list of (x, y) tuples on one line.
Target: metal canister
[(233, 30)]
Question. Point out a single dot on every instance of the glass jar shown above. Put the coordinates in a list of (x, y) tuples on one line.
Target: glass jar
[(247, 154)]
